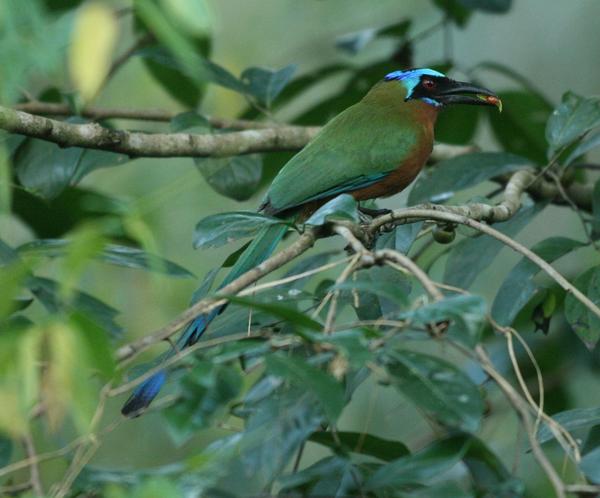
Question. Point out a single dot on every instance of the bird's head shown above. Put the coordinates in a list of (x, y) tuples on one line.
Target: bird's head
[(436, 89)]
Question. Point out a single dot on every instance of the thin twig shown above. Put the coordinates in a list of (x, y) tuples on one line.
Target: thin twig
[(522, 409), (34, 470)]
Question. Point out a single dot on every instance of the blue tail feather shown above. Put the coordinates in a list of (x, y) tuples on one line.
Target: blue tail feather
[(258, 251)]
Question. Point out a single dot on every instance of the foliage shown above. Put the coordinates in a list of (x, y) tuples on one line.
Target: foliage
[(286, 365)]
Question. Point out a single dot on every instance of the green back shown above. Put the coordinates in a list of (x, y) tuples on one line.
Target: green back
[(358, 147)]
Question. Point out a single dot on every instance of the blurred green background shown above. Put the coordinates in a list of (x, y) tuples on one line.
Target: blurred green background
[(555, 44)]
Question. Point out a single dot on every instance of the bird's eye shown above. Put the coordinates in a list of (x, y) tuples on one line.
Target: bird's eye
[(428, 84)]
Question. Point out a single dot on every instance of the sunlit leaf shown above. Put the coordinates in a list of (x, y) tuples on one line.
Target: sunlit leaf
[(437, 387), (93, 40)]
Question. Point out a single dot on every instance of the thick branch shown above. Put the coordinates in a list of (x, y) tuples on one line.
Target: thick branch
[(136, 144)]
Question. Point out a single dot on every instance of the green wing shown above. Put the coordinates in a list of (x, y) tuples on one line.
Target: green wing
[(357, 148)]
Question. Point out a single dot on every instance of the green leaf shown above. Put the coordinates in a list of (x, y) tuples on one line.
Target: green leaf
[(462, 172), (571, 420), (353, 43), (457, 124), (220, 229), (455, 11), (6, 448), (277, 310), (62, 4), (521, 127), (585, 146), (495, 6), (247, 463), (342, 207), (572, 119), (203, 392), (467, 314), (47, 292), (54, 218), (596, 208), (471, 257), (422, 466), (585, 323), (362, 443), (488, 472), (325, 388), (236, 177), (437, 387), (187, 121), (519, 287), (331, 476), (47, 169), (129, 257), (266, 84), (401, 238), (590, 465), (155, 487)]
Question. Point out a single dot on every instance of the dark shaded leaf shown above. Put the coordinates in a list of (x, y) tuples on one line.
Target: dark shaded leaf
[(422, 466), (584, 322), (203, 392), (6, 448), (462, 172), (236, 177), (54, 218), (47, 169), (495, 6), (572, 119), (266, 84), (521, 127), (129, 257), (518, 288), (455, 11), (220, 229), (365, 444), (489, 474), (342, 207), (189, 121), (471, 257), (60, 5), (437, 387), (457, 124), (571, 420), (323, 386)]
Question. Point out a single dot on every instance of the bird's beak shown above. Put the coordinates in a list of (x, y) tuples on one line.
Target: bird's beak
[(459, 92)]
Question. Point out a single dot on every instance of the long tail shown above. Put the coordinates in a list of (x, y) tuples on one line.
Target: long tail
[(263, 245)]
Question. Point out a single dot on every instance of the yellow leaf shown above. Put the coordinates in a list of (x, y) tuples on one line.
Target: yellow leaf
[(94, 37)]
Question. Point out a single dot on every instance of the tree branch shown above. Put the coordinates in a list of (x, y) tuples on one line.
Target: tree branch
[(137, 144)]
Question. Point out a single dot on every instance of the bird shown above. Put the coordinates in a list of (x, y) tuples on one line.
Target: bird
[(375, 148)]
